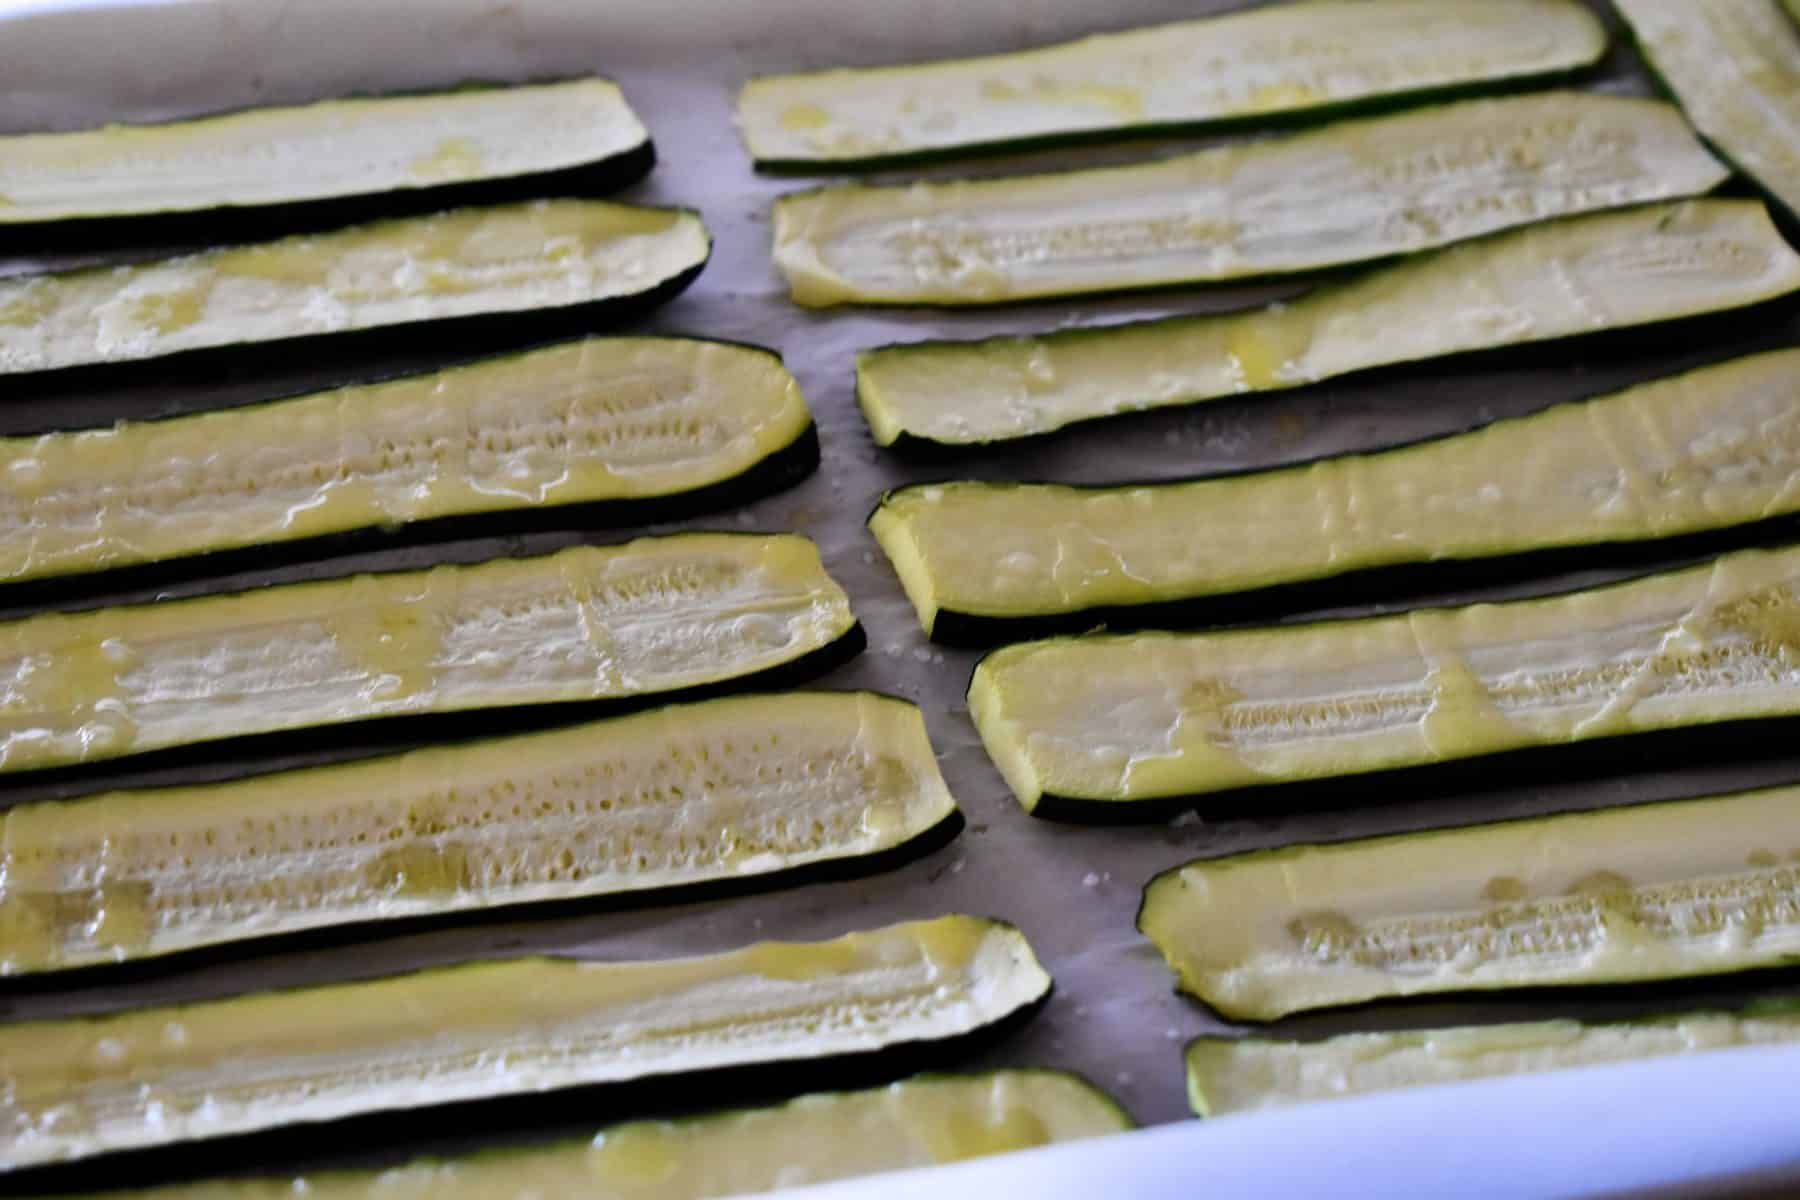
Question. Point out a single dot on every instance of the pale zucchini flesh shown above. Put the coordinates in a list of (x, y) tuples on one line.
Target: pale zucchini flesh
[(464, 263), (1622, 895), (589, 623), (1233, 1075), (1734, 67), (1117, 719), (158, 1076), (1265, 62), (329, 150), (1710, 449), (1581, 275), (1351, 192), (698, 793), (597, 420), (918, 1122)]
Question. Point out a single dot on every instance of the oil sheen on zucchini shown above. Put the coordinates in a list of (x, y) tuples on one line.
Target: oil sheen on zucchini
[(1275, 60), (1120, 718), (1632, 894), (696, 793), (1734, 66), (423, 143), (464, 263), (918, 1122), (155, 1076), (1581, 275), (587, 623), (1716, 447), (1230, 1075), (1347, 193), (629, 420)]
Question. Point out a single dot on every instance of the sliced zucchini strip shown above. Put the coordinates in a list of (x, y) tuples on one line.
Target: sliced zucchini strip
[(1121, 718), (334, 149), (1654, 891), (919, 1122), (1347, 193), (1283, 59), (465, 263), (1580, 275), (156, 1076), (1707, 450), (604, 419), (587, 623), (1230, 1075), (696, 793), (1734, 66)]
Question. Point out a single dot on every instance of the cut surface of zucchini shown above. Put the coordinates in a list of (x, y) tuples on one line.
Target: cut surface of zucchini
[(1710, 449), (1348, 193), (1121, 718), (1734, 66), (464, 263), (156, 1076), (1647, 892), (587, 623), (329, 150), (718, 790), (598, 420), (918, 1122), (1282, 59), (1580, 275), (1230, 1075)]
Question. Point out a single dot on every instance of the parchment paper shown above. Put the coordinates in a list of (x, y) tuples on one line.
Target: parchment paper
[(1074, 890)]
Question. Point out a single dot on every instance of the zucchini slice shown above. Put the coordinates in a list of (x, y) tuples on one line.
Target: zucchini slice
[(919, 1122), (652, 616), (1702, 451), (641, 423), (461, 265), (697, 793), (1576, 276), (1343, 194), (1648, 892), (471, 145), (156, 1076), (1734, 66), (1121, 718), (1230, 1075), (1279, 60)]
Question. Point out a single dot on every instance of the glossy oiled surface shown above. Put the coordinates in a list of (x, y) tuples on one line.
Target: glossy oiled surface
[(1074, 890), (1136, 717), (587, 623), (1717, 447), (690, 794), (920, 1122), (599, 419), (1562, 279), (1734, 65), (310, 152), (1227, 1075), (1282, 59), (1630, 894), (155, 1076), (1398, 184), (468, 261)]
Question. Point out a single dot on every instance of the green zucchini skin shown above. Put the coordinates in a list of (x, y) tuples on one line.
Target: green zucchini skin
[(780, 466), (1238, 587), (1571, 63), (475, 333), (1770, 34), (225, 224)]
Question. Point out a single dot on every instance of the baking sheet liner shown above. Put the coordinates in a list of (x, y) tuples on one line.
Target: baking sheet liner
[(1073, 889)]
